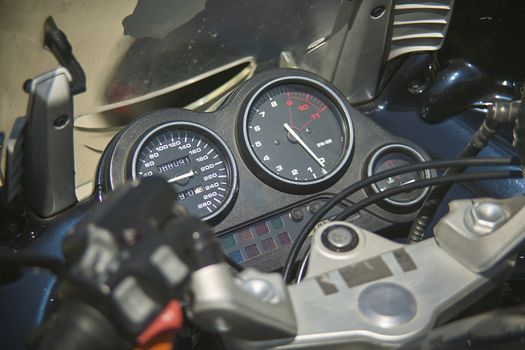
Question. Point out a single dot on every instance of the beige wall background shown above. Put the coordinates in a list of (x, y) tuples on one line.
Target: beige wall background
[(94, 28)]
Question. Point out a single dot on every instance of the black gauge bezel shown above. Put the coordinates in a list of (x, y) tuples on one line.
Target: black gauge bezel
[(253, 197), (411, 152), (231, 166), (270, 177)]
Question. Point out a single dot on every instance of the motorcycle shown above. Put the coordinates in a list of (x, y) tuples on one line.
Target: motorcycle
[(315, 176)]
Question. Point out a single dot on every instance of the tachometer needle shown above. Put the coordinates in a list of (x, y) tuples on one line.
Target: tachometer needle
[(304, 145), (182, 177)]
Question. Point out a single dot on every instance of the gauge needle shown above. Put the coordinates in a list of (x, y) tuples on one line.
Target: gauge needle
[(181, 177), (408, 182), (301, 142)]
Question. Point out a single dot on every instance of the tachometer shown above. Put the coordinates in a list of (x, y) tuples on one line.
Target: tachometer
[(298, 132), (194, 160)]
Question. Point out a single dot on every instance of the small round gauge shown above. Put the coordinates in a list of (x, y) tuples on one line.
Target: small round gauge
[(298, 134), (195, 160), (393, 156)]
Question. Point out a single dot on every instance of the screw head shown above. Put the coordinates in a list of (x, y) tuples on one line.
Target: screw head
[(339, 238), (487, 217), (377, 12), (297, 214)]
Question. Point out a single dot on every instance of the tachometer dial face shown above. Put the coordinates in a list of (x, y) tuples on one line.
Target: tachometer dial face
[(299, 133), (194, 160)]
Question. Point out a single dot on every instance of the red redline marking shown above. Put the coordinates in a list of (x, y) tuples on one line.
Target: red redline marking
[(305, 125), (297, 98), (310, 103), (291, 121)]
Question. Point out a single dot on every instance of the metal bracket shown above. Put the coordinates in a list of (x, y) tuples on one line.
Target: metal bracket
[(481, 243), (379, 294), (251, 305), (49, 167)]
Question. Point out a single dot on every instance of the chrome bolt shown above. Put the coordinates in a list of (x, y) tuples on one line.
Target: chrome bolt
[(339, 238), (486, 217)]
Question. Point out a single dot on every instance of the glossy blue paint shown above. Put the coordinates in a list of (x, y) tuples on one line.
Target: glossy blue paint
[(446, 140), (25, 301), (396, 110)]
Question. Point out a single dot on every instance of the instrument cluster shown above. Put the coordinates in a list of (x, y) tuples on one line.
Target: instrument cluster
[(284, 137)]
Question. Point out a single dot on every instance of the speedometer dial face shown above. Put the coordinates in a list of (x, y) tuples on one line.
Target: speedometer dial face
[(299, 133), (195, 161)]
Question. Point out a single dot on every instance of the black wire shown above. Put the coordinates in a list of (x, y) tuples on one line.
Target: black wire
[(301, 238), (425, 183), (492, 175), (428, 209)]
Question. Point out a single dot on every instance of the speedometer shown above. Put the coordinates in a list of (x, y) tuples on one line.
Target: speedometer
[(298, 133), (195, 160)]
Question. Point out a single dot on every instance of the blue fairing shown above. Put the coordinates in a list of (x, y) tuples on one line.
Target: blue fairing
[(24, 302)]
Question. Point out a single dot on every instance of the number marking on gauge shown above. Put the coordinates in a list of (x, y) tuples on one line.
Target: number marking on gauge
[(181, 152), (299, 132)]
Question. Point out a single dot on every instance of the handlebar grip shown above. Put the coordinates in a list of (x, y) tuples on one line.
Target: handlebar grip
[(76, 325)]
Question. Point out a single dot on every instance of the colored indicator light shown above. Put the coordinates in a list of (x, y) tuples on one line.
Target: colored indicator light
[(245, 235), (236, 256), (261, 229), (284, 238), (277, 223), (252, 251), (228, 241), (268, 245)]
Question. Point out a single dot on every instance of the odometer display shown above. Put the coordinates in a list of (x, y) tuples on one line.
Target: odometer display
[(299, 133), (194, 160), (172, 164)]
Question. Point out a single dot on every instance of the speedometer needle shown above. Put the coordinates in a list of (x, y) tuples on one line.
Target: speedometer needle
[(304, 145), (182, 177)]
